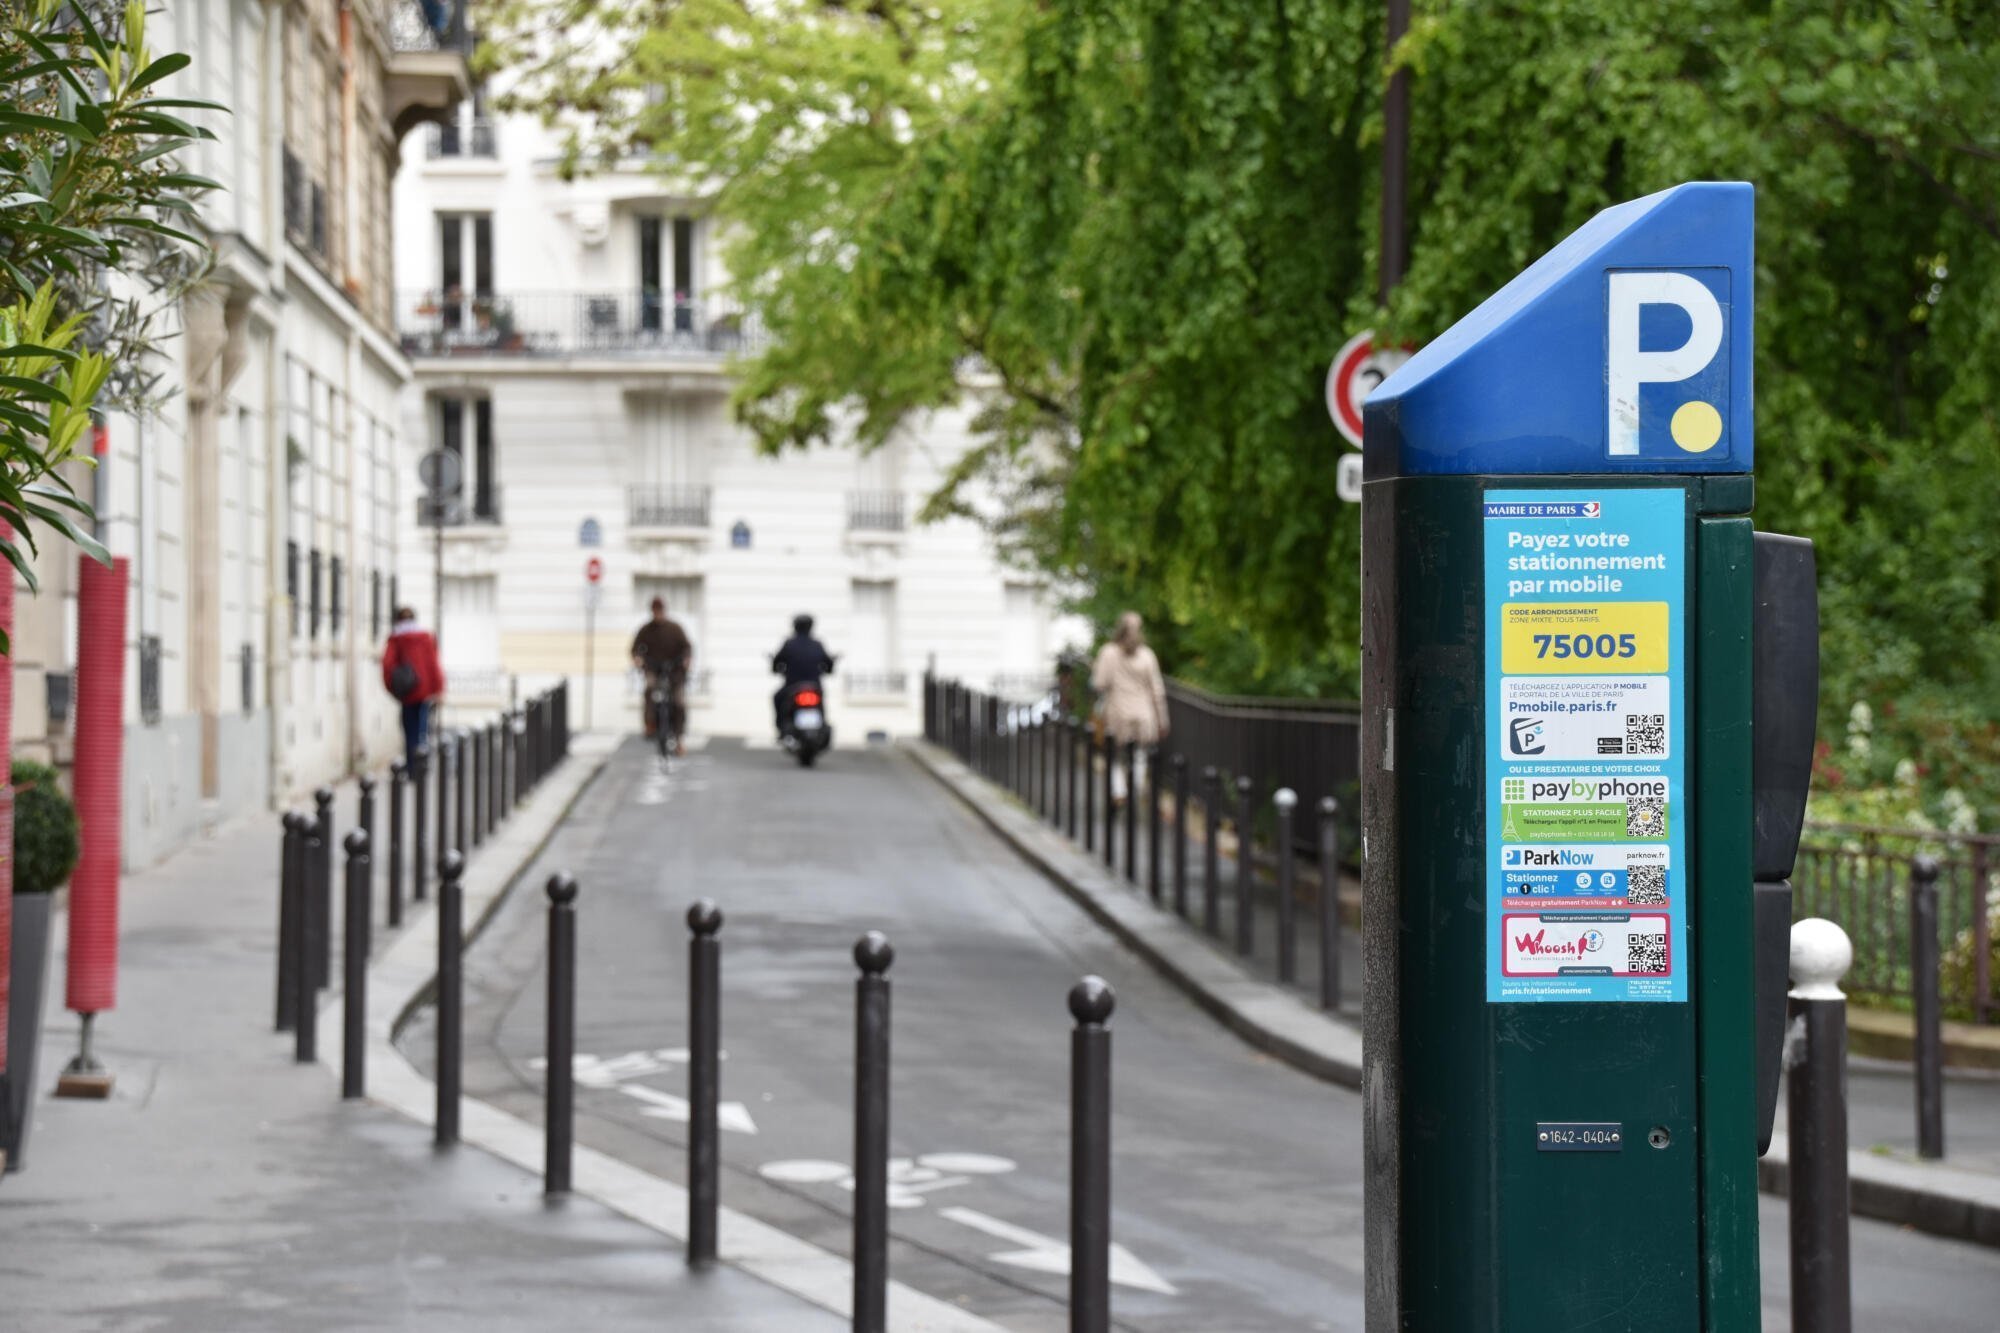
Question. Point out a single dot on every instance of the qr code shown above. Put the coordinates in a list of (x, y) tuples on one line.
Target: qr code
[(1646, 884), (1645, 819), (1646, 733), (1646, 953)]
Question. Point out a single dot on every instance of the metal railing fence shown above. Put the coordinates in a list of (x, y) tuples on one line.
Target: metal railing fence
[(638, 324)]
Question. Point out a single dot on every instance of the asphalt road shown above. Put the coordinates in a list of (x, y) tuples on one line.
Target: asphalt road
[(1237, 1180)]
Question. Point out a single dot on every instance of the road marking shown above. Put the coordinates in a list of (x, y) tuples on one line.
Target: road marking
[(1046, 1254), (909, 1178), (732, 1116)]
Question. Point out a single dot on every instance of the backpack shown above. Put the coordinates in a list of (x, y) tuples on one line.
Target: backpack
[(403, 681)]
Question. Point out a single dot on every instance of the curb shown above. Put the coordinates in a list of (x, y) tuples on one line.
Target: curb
[(1265, 1015), (1939, 1200), (402, 979)]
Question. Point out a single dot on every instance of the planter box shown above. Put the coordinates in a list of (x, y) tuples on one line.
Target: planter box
[(24, 1019)]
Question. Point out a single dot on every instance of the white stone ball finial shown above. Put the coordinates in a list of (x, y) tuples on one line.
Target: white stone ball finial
[(1821, 955), (1284, 798)]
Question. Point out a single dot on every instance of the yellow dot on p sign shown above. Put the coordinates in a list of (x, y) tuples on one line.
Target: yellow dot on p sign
[(1696, 427)]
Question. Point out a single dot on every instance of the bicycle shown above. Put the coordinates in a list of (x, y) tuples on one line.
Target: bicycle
[(665, 714)]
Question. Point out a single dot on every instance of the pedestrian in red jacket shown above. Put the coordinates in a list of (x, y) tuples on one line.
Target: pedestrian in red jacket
[(410, 672)]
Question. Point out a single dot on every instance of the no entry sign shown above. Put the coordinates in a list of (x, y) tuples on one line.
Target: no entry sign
[(593, 570), (1357, 368)]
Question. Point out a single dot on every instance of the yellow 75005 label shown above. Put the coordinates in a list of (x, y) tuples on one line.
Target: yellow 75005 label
[(1607, 638)]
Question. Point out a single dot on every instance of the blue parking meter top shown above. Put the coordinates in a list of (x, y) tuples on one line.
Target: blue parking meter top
[(1626, 349)]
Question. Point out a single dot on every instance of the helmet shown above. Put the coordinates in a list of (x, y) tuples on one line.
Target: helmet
[(802, 624)]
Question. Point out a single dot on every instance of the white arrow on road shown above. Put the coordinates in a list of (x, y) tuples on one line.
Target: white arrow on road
[(666, 1106), (1046, 1254)]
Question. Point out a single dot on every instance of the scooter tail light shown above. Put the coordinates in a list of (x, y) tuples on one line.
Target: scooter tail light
[(808, 698)]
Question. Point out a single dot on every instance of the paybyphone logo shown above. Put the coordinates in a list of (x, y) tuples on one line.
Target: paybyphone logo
[(1666, 361)]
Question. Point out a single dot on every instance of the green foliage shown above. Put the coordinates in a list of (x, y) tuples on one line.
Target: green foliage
[(88, 188), (46, 842), (1139, 228)]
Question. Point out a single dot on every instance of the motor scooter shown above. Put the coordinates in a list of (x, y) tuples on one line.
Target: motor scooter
[(807, 734)]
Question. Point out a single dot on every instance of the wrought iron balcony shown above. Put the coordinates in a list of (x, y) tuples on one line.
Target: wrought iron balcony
[(667, 506), (634, 325), (482, 508), (451, 139), (428, 25), (875, 511), (430, 70)]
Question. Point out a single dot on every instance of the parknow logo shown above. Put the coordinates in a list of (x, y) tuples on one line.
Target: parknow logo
[(1666, 361)]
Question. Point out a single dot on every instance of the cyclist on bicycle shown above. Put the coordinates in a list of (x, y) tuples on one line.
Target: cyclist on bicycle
[(661, 649)]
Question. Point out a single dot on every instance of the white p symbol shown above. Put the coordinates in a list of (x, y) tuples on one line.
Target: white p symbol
[(1627, 367)]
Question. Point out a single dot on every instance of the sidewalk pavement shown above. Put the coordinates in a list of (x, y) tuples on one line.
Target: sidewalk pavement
[(225, 1187), (1958, 1197)]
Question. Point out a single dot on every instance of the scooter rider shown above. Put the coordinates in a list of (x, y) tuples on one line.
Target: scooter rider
[(802, 660)]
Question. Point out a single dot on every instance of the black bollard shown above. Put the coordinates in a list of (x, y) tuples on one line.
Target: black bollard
[(1246, 865), (871, 1133), (312, 926), (364, 814), (559, 1041), (1816, 1127), (291, 877), (458, 786), (1211, 853), (322, 870), (420, 867), (1329, 904), (1928, 1003), (704, 1079), (398, 785), (1132, 811), (450, 996), (1285, 800), (1071, 727), (475, 775), (1109, 783), (1090, 1003), (1153, 824), (354, 996), (1089, 788), (494, 765), (441, 755), (1180, 836)]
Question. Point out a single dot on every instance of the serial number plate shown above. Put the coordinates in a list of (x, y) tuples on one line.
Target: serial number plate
[(1580, 1136)]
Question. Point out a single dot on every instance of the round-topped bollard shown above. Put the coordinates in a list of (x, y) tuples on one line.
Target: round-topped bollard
[(452, 866), (561, 888), (873, 953), (365, 783), (704, 917), (1285, 799), (1091, 1001), (322, 796), (356, 841), (1821, 955)]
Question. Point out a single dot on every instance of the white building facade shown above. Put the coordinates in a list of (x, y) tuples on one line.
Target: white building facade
[(260, 506), (572, 351)]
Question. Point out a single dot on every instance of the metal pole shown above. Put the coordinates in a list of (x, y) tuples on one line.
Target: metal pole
[(1089, 789), (1090, 1003), (871, 1133), (1246, 865), (1395, 159), (1153, 825), (364, 817), (1181, 836), (323, 886), (704, 1079), (1110, 802), (1286, 800), (496, 765), (1816, 1126), (354, 1031), (291, 922), (399, 783), (1924, 988), (442, 753), (420, 867), (1070, 729), (559, 1115), (467, 796), (305, 1002), (1132, 811), (458, 785), (1211, 862), (1329, 904), (450, 995)]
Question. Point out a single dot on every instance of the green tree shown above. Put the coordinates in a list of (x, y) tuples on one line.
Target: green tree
[(95, 238), (1137, 229)]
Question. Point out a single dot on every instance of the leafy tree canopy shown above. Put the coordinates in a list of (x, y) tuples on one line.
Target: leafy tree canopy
[(1139, 228)]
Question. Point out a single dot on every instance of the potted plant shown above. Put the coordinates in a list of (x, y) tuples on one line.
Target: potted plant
[(46, 845)]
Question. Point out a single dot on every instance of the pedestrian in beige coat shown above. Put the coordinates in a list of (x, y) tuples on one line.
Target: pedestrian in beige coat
[(1131, 693)]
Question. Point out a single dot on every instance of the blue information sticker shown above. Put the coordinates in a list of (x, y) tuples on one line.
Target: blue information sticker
[(1586, 743)]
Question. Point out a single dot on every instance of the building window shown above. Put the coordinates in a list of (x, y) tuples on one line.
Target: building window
[(465, 268), (292, 582), (469, 133), (465, 430), (249, 679), (315, 567), (334, 595), (149, 679), (667, 250), (871, 649), (375, 604)]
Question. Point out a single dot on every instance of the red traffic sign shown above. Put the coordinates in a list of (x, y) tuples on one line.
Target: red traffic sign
[(593, 570), (1357, 368)]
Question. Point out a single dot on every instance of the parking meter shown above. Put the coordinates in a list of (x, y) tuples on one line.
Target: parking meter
[(1564, 1079)]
